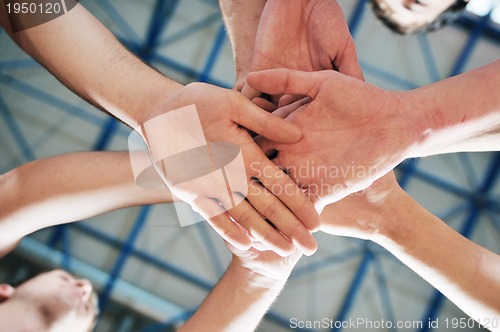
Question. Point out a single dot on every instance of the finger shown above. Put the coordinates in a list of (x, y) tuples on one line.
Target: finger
[(266, 124), (347, 63), (246, 215), (221, 223), (285, 221), (287, 81), (259, 246), (285, 111), (267, 146), (288, 99), (238, 85), (282, 186), (264, 104), (249, 92)]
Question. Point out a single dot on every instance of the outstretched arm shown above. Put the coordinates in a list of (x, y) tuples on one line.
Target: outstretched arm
[(458, 114), (86, 57), (366, 131), (68, 188), (242, 21), (466, 273), (250, 285)]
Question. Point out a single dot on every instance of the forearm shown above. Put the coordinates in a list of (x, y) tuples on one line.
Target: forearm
[(242, 20), (67, 188), (458, 114), (466, 273), (87, 58), (237, 303)]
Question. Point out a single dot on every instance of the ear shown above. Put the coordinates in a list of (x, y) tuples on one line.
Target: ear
[(6, 292)]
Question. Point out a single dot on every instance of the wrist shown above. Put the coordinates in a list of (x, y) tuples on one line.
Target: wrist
[(391, 221), (156, 100), (253, 280), (415, 124)]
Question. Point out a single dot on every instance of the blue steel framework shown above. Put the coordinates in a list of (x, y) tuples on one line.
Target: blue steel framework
[(478, 200)]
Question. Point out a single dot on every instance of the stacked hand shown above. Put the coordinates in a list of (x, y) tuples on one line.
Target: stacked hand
[(307, 35), (352, 132), (263, 268), (271, 194)]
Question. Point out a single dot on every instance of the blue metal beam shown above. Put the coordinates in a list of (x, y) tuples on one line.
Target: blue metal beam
[(211, 252), (408, 170), (185, 70), (18, 64), (384, 291), (16, 132), (357, 14), (49, 99), (37, 251), (118, 19), (402, 83), (316, 266), (430, 61), (108, 130), (126, 250), (191, 29), (214, 54), (468, 169), (439, 182), (162, 14), (470, 46), (357, 280), (145, 257)]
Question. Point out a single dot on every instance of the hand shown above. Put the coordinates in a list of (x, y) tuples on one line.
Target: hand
[(221, 112), (307, 35), (263, 268), (352, 132)]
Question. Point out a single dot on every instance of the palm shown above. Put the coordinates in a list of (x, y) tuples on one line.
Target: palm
[(297, 35), (351, 134), (209, 160)]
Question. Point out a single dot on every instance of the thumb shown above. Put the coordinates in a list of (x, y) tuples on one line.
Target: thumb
[(249, 92), (270, 126), (286, 81), (348, 63), (267, 146)]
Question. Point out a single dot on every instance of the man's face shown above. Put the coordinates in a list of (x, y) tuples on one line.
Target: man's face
[(412, 14), (63, 302)]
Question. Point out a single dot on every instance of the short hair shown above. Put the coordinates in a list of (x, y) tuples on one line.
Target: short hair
[(449, 15)]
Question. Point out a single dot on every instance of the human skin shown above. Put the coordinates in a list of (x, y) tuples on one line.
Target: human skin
[(366, 128), (33, 193), (289, 34), (245, 292), (411, 16), (37, 199), (88, 59), (51, 301), (387, 215)]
